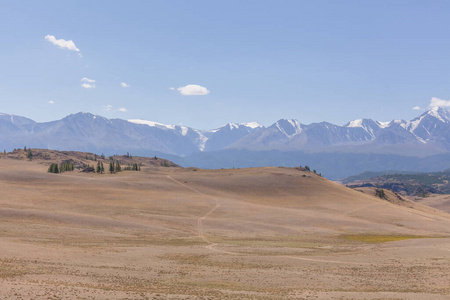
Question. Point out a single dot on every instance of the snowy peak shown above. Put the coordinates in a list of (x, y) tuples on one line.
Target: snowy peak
[(248, 126), (428, 119), (252, 125), (226, 135), (366, 124), (402, 123), (355, 123), (439, 113), (435, 114), (86, 131), (430, 125), (289, 128), (181, 129), (151, 124)]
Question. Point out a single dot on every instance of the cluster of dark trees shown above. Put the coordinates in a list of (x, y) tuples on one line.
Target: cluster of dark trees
[(100, 167), (133, 167), (65, 167), (307, 168), (114, 167), (53, 168)]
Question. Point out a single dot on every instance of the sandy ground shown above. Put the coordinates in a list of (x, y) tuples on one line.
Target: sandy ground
[(171, 233)]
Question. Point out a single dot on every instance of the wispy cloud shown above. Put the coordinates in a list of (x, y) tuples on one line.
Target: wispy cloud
[(416, 108), (51, 102), (88, 83), (124, 85), (193, 90), (172, 88), (84, 79), (109, 107), (436, 102), (61, 43)]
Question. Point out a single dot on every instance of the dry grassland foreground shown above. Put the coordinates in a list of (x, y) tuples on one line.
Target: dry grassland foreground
[(174, 233)]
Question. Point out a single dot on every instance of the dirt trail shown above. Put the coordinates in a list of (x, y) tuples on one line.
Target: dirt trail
[(201, 219), (211, 245)]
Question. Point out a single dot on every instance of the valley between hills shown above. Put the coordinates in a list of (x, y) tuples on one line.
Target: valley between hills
[(167, 232)]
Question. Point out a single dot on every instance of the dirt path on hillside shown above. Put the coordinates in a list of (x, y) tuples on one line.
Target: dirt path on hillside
[(212, 246), (200, 220)]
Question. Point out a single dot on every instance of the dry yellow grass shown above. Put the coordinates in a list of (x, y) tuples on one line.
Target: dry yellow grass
[(263, 233), (377, 238)]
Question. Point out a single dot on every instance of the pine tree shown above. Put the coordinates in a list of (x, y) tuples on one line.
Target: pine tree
[(111, 167), (118, 168), (102, 168), (99, 168), (53, 168), (29, 154)]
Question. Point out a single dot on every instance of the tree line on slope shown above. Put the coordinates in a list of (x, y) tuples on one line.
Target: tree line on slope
[(114, 167)]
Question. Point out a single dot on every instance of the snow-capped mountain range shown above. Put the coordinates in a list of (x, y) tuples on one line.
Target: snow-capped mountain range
[(428, 133)]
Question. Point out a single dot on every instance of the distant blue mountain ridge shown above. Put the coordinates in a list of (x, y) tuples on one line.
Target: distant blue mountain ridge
[(338, 151)]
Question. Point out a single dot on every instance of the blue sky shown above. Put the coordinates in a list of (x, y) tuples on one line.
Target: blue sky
[(253, 60)]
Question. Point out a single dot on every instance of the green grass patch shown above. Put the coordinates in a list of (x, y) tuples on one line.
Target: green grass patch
[(287, 242), (381, 238)]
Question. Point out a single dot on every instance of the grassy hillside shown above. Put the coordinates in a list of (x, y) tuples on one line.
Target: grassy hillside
[(81, 160), (189, 233)]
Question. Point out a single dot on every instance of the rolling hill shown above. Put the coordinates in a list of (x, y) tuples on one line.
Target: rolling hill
[(261, 233)]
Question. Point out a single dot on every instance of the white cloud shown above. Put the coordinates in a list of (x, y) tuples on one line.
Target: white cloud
[(51, 102), (124, 85), (436, 102), (172, 88), (88, 83), (84, 79), (108, 107), (88, 86), (123, 109), (193, 90), (63, 44), (416, 108)]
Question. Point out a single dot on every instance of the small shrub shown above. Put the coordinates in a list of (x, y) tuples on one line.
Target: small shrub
[(380, 194)]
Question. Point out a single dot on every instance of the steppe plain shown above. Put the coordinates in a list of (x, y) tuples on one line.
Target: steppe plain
[(187, 233)]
